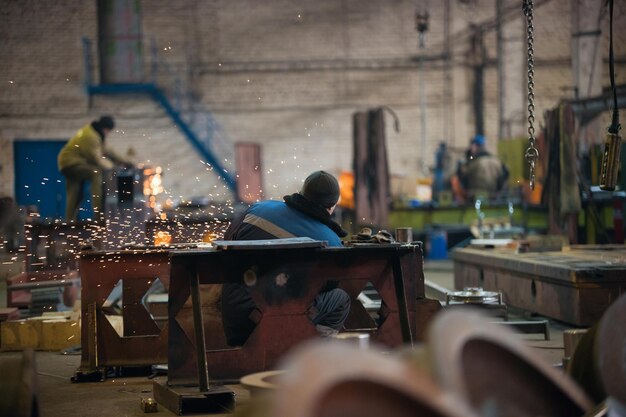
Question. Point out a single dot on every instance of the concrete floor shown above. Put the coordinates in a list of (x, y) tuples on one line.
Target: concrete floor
[(114, 397), (122, 396), (441, 273)]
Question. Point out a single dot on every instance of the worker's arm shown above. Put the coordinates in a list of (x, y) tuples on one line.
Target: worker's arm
[(117, 159), (504, 177), (91, 150), (233, 227)]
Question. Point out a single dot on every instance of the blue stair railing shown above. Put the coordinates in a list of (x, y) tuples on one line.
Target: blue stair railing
[(187, 102), (188, 114)]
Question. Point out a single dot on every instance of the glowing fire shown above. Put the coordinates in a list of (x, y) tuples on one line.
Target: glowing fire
[(162, 238), (152, 184)]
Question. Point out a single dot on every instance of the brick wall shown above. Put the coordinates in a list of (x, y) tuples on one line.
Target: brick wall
[(286, 74)]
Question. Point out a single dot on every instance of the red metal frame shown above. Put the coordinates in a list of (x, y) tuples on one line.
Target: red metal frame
[(284, 324), (143, 343)]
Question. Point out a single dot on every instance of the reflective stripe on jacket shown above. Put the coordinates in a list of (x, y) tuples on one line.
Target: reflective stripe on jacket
[(275, 219)]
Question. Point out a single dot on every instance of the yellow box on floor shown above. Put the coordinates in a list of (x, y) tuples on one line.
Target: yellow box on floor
[(48, 332)]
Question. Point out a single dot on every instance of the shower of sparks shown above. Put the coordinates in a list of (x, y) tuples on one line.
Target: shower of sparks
[(54, 245), (156, 217)]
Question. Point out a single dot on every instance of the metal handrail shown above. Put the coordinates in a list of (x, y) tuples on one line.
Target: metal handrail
[(168, 88)]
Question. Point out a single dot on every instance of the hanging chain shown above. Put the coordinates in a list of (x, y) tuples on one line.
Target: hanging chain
[(532, 153)]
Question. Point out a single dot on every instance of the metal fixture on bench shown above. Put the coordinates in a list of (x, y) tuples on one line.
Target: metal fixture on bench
[(474, 295), (492, 301), (477, 297)]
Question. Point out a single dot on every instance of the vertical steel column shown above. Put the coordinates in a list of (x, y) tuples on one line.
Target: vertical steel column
[(198, 325), (398, 283)]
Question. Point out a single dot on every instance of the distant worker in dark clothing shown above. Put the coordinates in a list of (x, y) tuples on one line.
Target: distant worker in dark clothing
[(303, 214), (481, 172), (443, 171), (83, 159)]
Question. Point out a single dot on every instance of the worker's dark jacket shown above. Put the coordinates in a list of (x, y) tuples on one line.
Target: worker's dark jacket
[(484, 173), (295, 217)]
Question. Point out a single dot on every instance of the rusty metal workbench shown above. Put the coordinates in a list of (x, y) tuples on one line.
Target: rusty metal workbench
[(283, 281), (394, 270), (575, 286), (143, 343)]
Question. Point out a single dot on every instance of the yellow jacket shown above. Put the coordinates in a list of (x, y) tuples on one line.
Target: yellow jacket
[(86, 147)]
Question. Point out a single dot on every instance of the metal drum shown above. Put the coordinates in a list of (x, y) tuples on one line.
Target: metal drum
[(261, 381), (359, 340)]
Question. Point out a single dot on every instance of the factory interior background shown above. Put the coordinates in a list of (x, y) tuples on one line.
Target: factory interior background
[(289, 76), (219, 105)]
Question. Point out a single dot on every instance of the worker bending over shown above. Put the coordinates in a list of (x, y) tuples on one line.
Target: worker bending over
[(303, 214), (83, 159)]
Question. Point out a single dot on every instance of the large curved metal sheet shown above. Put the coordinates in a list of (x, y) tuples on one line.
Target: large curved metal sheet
[(495, 372)]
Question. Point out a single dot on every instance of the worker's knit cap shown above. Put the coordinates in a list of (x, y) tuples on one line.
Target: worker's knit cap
[(479, 140), (321, 188), (106, 122)]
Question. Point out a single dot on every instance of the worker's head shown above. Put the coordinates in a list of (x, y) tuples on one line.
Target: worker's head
[(476, 145), (322, 188), (478, 140), (105, 124)]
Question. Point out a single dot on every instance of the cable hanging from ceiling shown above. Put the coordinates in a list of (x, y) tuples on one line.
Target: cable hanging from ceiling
[(612, 146)]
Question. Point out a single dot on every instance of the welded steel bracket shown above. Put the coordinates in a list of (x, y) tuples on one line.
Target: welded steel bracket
[(183, 400)]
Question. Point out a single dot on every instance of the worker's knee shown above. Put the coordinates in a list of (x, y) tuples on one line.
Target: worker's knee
[(331, 308), (83, 172), (333, 300), (341, 298)]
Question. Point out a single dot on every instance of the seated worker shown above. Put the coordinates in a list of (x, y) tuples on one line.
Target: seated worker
[(481, 172), (82, 159), (303, 214)]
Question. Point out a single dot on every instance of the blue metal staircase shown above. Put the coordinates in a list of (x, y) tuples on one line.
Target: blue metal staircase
[(203, 136)]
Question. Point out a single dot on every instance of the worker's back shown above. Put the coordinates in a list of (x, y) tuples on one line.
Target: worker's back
[(85, 147), (484, 173), (275, 219)]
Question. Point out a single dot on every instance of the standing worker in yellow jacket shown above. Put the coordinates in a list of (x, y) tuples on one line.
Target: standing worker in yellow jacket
[(82, 159)]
